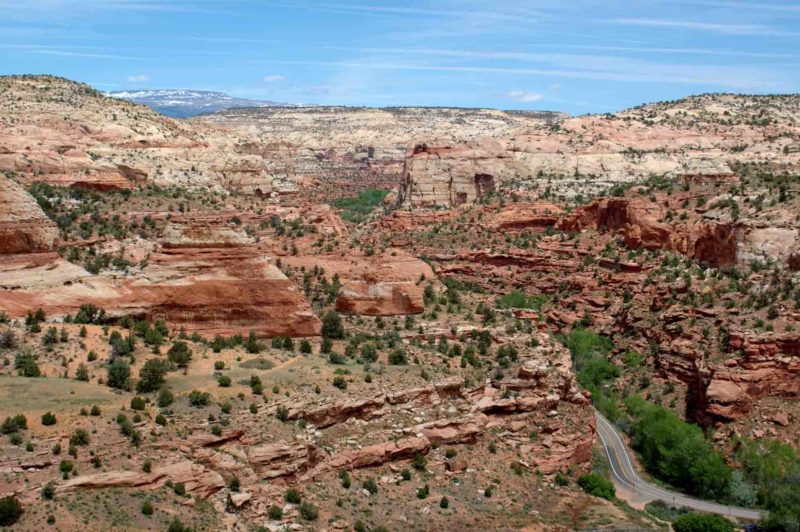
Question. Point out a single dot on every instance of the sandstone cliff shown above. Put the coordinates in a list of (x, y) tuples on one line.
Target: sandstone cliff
[(24, 228)]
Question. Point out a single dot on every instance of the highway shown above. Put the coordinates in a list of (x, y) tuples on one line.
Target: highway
[(640, 491)]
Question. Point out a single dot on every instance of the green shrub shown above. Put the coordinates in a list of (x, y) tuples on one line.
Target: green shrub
[(292, 496), (165, 397), (147, 508), (340, 382), (282, 413), (370, 485), (26, 366), (224, 381), (13, 424), (398, 357), (420, 463), (692, 522), (10, 510), (344, 478), (199, 399), (48, 419), (176, 526), (305, 347), (308, 511), (80, 437), (275, 512), (137, 403), (49, 491), (598, 486)]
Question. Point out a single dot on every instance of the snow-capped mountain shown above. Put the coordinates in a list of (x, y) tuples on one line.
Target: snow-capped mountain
[(181, 103)]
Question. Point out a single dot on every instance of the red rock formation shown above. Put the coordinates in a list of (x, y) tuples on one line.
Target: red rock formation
[(377, 298), (769, 367), (537, 215), (638, 221), (24, 228), (198, 480), (210, 291), (281, 460), (384, 285)]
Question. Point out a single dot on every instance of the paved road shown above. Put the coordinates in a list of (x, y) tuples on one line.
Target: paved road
[(628, 480)]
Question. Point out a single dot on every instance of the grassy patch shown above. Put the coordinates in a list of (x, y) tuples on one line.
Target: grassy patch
[(257, 363), (518, 299), (357, 209)]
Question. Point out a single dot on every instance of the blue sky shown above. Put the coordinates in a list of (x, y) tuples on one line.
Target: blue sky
[(577, 56)]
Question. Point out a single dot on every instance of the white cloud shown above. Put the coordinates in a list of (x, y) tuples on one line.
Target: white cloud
[(555, 86), (724, 29), (525, 96), (274, 77), (138, 78)]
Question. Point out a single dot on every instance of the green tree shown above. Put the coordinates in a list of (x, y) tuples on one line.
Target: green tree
[(180, 354), (677, 452), (10, 510), (332, 326), (151, 376), (596, 485), (119, 375), (693, 522)]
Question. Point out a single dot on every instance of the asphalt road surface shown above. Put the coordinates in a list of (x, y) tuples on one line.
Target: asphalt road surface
[(628, 480)]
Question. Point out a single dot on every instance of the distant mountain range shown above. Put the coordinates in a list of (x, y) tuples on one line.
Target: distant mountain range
[(181, 103)]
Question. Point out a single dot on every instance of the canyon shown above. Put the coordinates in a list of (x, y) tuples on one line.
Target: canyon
[(409, 341)]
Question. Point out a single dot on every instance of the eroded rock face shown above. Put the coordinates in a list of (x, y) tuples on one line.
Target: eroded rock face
[(380, 299), (24, 228), (446, 174), (639, 221), (382, 285), (198, 480), (209, 290), (536, 215), (769, 367)]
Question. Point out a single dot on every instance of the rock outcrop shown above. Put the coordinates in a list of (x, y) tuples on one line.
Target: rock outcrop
[(446, 174), (769, 367), (641, 223), (222, 289), (519, 216), (380, 285), (198, 480), (24, 228), (377, 298)]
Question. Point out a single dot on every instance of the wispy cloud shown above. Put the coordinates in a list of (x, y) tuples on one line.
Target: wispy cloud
[(273, 78), (728, 77), (138, 78), (786, 8), (525, 96), (671, 51), (714, 27)]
